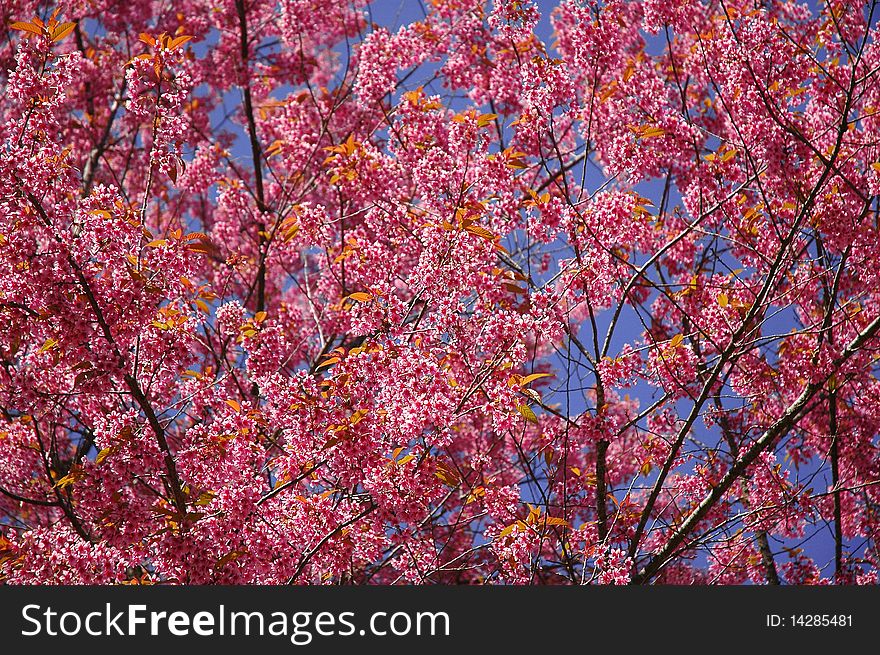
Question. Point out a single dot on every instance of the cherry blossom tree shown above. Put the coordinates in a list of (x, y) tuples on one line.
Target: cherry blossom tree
[(296, 292)]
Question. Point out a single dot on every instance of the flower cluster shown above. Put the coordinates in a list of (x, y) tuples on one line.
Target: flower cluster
[(291, 297)]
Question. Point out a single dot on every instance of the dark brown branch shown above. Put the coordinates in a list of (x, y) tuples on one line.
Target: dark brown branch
[(256, 152), (286, 485), (306, 558), (29, 501), (130, 381), (835, 482), (768, 438), (770, 572)]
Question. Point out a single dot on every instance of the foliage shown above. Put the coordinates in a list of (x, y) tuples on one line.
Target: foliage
[(289, 296)]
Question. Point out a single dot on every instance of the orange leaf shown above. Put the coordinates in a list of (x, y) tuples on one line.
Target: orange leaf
[(553, 520), (447, 475), (233, 404), (204, 246), (509, 529), (510, 286), (27, 27), (327, 362), (534, 376), (103, 455), (275, 148), (62, 31), (651, 132), (527, 413), (50, 343), (480, 232), (179, 41), (413, 97)]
